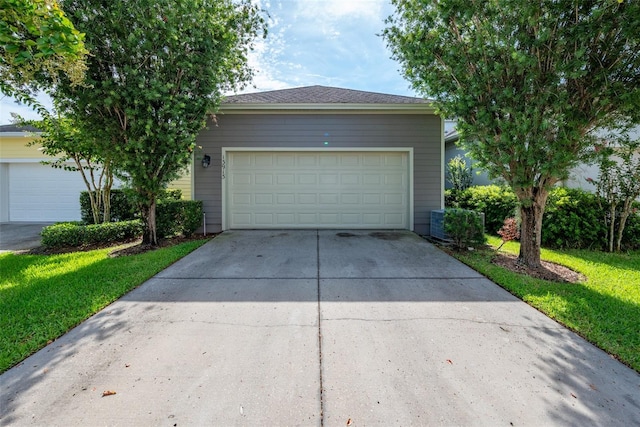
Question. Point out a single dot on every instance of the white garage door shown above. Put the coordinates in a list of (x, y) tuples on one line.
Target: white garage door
[(309, 189), (41, 193)]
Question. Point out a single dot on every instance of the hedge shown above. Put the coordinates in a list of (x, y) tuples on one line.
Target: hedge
[(496, 202), (121, 207), (573, 218), (175, 217), (73, 234)]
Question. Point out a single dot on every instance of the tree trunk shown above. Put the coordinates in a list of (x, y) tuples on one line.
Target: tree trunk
[(106, 192), (612, 225), (150, 236), (531, 212), (626, 211)]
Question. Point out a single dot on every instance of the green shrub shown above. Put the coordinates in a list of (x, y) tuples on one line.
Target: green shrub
[(631, 234), (168, 216), (573, 219), (69, 234), (496, 202), (192, 216), (122, 209), (464, 227), (178, 217), (459, 174), (170, 194)]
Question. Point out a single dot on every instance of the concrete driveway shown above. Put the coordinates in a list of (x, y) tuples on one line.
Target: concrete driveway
[(324, 327), (19, 236)]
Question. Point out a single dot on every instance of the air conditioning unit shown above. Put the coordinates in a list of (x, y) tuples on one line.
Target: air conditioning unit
[(437, 224)]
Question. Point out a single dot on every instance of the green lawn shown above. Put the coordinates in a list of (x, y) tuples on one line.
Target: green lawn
[(605, 309), (43, 296)]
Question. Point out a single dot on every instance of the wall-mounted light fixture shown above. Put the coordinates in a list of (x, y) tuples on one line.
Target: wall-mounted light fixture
[(206, 161)]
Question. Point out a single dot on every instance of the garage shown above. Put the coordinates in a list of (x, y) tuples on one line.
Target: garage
[(320, 157), (298, 188), (40, 193)]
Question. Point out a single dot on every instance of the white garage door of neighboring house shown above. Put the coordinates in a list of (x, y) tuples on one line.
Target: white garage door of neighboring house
[(317, 189), (41, 193)]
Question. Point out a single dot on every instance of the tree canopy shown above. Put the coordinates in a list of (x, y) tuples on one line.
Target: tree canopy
[(157, 69), (528, 82), (37, 41)]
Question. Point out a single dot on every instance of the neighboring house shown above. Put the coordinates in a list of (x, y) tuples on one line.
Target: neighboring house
[(452, 150), (33, 192), (577, 176), (321, 157)]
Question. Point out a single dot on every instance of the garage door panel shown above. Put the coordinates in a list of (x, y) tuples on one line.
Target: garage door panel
[(241, 178), (318, 189), (264, 199), (308, 160), (307, 199), (264, 179)]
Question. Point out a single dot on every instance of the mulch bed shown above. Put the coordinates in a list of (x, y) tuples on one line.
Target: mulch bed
[(549, 270)]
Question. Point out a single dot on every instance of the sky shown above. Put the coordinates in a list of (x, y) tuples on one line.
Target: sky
[(311, 42)]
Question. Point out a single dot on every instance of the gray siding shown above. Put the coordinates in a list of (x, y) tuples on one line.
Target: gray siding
[(420, 131)]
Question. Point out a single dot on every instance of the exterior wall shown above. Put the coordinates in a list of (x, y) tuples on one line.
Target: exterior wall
[(15, 147), (423, 132), (183, 183)]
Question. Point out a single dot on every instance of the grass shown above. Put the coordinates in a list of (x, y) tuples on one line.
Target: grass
[(605, 309), (43, 296)]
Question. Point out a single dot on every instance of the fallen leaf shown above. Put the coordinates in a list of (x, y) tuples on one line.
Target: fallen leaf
[(449, 362), (574, 396), (349, 422), (126, 365), (593, 387), (108, 393)]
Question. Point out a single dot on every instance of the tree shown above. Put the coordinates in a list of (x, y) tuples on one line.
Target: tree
[(37, 41), (77, 152), (527, 80), (157, 69), (618, 183)]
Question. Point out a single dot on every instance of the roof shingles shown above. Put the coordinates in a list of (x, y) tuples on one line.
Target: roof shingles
[(321, 95), (17, 128)]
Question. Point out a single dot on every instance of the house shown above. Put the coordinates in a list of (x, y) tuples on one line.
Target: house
[(321, 157), (33, 192), (578, 176), (452, 150)]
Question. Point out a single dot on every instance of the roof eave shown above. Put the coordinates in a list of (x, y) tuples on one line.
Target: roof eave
[(451, 138), (18, 134), (417, 108)]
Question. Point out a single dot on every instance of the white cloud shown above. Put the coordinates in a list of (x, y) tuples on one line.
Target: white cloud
[(326, 42), (329, 10)]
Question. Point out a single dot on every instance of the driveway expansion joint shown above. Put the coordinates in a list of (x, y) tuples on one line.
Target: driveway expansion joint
[(455, 319), (319, 330)]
